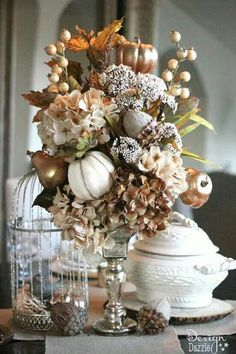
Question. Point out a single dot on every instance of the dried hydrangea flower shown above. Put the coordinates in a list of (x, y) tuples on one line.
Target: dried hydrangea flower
[(167, 167), (76, 115), (126, 148), (117, 79)]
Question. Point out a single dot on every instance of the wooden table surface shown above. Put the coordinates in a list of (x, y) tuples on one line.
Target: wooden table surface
[(227, 290)]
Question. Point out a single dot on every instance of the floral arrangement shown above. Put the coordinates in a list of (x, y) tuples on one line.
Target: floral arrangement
[(112, 138)]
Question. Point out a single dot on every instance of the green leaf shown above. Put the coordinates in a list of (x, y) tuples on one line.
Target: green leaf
[(83, 142), (45, 198), (84, 145), (196, 157), (73, 84), (202, 121), (185, 118), (114, 124), (185, 131)]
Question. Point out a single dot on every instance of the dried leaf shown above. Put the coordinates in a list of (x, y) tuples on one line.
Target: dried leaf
[(38, 116), (84, 34), (117, 39), (77, 44), (187, 104), (105, 37), (40, 99), (51, 63), (75, 69)]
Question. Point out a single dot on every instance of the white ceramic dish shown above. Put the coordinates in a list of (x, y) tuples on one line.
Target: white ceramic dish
[(181, 265)]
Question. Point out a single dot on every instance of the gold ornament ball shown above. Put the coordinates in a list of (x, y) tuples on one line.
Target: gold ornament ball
[(199, 188)]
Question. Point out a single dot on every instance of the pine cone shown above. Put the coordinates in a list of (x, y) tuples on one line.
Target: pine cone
[(150, 321), (69, 318)]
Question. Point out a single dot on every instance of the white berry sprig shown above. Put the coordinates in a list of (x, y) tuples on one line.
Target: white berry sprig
[(169, 75), (57, 52)]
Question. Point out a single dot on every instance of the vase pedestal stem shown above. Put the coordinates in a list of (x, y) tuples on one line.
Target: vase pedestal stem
[(115, 321)]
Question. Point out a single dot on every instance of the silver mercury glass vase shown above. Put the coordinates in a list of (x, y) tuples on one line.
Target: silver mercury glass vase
[(115, 321)]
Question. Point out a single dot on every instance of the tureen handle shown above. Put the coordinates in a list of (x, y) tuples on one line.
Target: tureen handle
[(227, 264), (187, 222)]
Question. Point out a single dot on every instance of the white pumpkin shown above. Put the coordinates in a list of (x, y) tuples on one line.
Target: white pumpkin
[(135, 122), (90, 177)]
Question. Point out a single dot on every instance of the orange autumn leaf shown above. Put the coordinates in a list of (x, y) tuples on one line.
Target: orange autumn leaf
[(117, 39), (51, 63), (39, 99), (105, 36), (84, 34), (77, 44), (38, 116)]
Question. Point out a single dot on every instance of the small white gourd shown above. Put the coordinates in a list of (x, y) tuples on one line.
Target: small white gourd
[(135, 122), (91, 176)]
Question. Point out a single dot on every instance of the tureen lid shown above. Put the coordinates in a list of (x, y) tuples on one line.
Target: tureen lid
[(182, 237)]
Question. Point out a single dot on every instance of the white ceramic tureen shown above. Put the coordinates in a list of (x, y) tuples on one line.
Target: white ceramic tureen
[(181, 265)]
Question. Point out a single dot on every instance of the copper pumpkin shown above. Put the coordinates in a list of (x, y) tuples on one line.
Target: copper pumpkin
[(199, 188), (139, 56)]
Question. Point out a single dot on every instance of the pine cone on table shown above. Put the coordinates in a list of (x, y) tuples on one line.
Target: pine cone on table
[(150, 321), (68, 318)]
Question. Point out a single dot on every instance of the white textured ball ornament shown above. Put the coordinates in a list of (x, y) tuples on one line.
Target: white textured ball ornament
[(192, 55), (181, 53), (65, 35), (57, 69), (175, 36), (172, 64), (175, 90), (135, 122), (54, 78), (63, 62), (185, 93), (63, 87), (199, 188), (167, 75), (91, 176), (50, 49), (185, 76)]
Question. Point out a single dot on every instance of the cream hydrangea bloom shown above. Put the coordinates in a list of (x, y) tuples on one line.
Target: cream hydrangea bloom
[(76, 115), (166, 166)]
